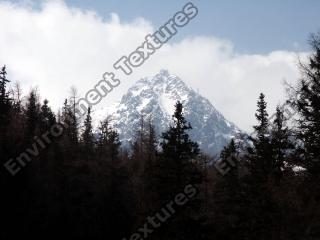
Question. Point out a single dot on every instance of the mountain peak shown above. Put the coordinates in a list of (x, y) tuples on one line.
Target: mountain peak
[(163, 77), (155, 97), (164, 72)]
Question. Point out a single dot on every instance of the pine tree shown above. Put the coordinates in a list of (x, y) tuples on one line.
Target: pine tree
[(229, 198), (32, 115), (307, 104), (108, 142), (177, 144), (10, 189), (138, 155), (4, 97), (5, 101), (144, 153), (179, 150), (171, 173), (229, 156), (260, 161), (47, 117), (69, 141), (69, 119), (173, 168), (87, 137), (118, 196), (151, 142), (280, 142), (262, 117), (257, 184)]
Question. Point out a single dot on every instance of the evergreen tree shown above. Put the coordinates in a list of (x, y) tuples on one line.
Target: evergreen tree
[(118, 198), (230, 210), (108, 142), (177, 144), (11, 190), (151, 142), (87, 137), (262, 118), (260, 161), (5, 106), (169, 175), (307, 104), (179, 150), (258, 184), (280, 143), (4, 96), (229, 156), (32, 115), (47, 117), (69, 119), (138, 155)]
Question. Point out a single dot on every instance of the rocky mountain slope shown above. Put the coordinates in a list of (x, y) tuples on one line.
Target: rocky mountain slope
[(156, 96)]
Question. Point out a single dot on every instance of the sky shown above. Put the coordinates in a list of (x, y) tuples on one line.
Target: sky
[(254, 26), (230, 52)]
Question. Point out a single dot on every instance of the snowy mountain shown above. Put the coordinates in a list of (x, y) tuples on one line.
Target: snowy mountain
[(156, 96)]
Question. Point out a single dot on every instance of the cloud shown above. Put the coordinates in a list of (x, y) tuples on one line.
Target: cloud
[(57, 46)]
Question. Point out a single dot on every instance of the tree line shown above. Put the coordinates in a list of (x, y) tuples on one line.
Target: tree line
[(86, 185)]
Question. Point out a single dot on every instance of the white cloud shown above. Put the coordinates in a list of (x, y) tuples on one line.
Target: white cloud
[(57, 46)]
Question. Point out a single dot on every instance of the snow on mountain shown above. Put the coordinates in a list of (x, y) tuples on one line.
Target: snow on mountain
[(156, 96)]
